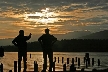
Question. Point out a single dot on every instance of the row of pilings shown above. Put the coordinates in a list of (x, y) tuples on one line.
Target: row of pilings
[(72, 66), (86, 60)]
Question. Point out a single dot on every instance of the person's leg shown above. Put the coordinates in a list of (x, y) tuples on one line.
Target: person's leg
[(50, 55), (45, 60), (25, 60), (19, 61)]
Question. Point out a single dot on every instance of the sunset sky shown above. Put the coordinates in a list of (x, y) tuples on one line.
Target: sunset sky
[(60, 16)]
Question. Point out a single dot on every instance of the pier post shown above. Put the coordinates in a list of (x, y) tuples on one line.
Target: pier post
[(44, 68), (35, 66), (98, 62), (78, 62), (10, 70), (58, 59), (64, 68), (1, 67), (54, 59), (89, 61), (86, 63), (62, 60), (1, 51), (30, 55), (87, 55), (72, 68), (82, 70), (73, 61), (92, 61), (15, 66), (53, 66), (84, 60), (67, 60)]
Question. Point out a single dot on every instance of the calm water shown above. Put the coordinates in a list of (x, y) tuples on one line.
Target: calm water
[(10, 57)]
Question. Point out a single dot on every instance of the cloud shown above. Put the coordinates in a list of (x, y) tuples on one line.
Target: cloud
[(61, 17)]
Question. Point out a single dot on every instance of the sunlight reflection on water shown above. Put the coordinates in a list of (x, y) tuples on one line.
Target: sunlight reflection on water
[(10, 57)]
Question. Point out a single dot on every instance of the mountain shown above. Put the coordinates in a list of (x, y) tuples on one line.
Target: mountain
[(66, 45), (97, 35), (70, 35), (4, 42)]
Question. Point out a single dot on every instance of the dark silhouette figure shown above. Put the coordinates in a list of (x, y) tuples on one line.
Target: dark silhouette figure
[(1, 51), (20, 42), (47, 41)]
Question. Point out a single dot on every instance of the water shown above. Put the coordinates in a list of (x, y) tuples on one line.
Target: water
[(10, 57)]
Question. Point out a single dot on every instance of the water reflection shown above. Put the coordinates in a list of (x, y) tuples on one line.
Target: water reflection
[(10, 57)]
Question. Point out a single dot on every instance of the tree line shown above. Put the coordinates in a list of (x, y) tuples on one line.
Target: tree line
[(67, 45)]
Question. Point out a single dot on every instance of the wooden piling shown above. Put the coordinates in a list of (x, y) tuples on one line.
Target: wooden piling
[(10, 70), (1, 67), (30, 55), (87, 55), (53, 66), (54, 59), (67, 60), (35, 66), (84, 60), (89, 61), (79, 62), (98, 62), (92, 61), (82, 70), (44, 67), (64, 68), (73, 61), (86, 63), (15, 66), (62, 60), (58, 59), (72, 68), (1, 51)]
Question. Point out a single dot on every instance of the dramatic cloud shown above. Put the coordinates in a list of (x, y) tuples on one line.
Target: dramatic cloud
[(61, 16)]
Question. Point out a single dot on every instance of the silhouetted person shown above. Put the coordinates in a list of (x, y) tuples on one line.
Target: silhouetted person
[(20, 42), (47, 41)]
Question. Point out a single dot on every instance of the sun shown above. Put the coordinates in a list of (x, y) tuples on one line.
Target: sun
[(45, 10), (45, 16)]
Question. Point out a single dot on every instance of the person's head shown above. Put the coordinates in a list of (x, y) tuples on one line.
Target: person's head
[(47, 31), (21, 32)]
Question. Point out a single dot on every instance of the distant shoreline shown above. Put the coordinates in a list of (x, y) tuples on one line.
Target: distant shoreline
[(73, 45)]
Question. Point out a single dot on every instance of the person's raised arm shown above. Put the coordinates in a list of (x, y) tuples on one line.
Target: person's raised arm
[(28, 37)]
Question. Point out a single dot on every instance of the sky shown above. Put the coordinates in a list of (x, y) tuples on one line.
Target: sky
[(60, 16)]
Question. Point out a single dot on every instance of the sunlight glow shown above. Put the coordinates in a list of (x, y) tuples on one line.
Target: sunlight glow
[(43, 17)]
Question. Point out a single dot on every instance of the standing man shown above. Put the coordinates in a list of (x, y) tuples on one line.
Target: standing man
[(20, 42), (47, 41)]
